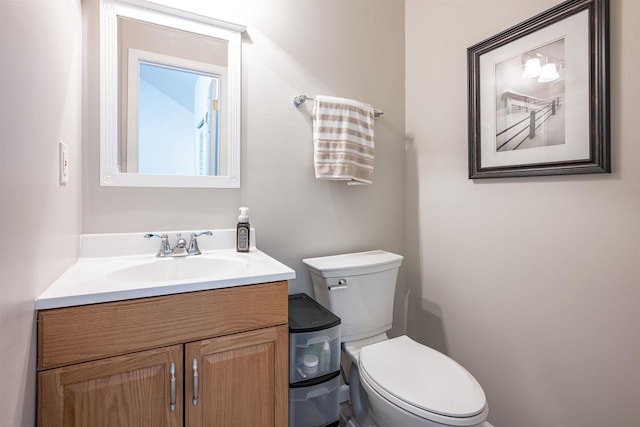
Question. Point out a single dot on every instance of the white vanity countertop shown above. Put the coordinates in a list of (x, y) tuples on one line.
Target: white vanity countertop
[(115, 267)]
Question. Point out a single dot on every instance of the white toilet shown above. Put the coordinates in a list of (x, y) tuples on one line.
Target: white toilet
[(393, 382)]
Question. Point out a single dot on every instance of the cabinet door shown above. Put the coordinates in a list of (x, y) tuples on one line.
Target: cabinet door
[(134, 390), (241, 380)]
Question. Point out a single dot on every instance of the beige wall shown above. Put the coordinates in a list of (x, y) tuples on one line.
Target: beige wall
[(40, 93), (352, 49), (533, 284)]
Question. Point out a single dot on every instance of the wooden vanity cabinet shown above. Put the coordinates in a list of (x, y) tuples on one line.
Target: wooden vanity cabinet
[(115, 364), (130, 390), (236, 379)]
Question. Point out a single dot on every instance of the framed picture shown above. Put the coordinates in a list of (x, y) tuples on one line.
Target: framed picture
[(539, 95)]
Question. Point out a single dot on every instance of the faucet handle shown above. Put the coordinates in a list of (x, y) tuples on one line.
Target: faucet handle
[(150, 235), (193, 243), (202, 233), (165, 247)]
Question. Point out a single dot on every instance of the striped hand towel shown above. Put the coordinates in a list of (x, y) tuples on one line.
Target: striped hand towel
[(343, 140)]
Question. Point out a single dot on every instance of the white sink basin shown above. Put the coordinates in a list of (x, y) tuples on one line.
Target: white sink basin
[(179, 269), (115, 267)]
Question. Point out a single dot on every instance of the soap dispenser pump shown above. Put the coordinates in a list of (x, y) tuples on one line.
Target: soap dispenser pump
[(243, 231)]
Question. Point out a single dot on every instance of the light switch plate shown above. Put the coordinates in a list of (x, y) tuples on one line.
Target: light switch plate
[(64, 162)]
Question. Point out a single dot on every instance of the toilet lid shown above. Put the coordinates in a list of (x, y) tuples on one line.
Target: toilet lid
[(418, 377)]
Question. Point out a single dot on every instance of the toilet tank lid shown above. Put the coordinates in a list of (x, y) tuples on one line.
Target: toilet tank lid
[(354, 263)]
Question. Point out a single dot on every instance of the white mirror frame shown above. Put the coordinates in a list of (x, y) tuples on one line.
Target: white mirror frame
[(110, 172)]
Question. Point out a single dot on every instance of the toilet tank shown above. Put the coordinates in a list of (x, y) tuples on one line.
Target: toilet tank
[(359, 288)]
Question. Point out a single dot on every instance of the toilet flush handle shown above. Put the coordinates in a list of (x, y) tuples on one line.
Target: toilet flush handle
[(342, 284)]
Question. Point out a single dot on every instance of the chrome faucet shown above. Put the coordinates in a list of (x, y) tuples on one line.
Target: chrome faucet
[(165, 247), (193, 243), (180, 249)]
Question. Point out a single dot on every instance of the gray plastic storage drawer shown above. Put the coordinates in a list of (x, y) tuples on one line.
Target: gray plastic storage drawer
[(314, 340), (314, 354), (315, 405)]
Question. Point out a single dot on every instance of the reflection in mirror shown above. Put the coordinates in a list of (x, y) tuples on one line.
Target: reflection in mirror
[(176, 105), (174, 98)]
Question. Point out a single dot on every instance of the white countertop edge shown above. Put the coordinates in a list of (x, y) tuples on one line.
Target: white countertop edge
[(162, 290)]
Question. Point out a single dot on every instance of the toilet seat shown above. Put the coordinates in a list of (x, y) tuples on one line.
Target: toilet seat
[(423, 381)]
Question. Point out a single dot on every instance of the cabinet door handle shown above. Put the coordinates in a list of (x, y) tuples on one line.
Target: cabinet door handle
[(195, 382), (172, 403)]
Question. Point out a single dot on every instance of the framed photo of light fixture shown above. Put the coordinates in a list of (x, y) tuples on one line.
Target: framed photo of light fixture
[(539, 95)]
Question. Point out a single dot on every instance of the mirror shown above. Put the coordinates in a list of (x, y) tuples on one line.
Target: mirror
[(169, 97)]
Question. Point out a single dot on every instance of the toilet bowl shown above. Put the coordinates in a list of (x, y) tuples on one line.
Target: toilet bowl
[(394, 382), (411, 385)]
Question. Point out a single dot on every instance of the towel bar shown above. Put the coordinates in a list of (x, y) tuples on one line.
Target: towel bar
[(300, 99)]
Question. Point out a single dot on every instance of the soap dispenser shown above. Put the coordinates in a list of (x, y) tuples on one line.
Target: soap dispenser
[(243, 232)]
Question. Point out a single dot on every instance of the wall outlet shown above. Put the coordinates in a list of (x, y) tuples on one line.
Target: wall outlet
[(64, 162)]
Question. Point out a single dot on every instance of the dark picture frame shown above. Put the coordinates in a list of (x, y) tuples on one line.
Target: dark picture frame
[(539, 95)]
